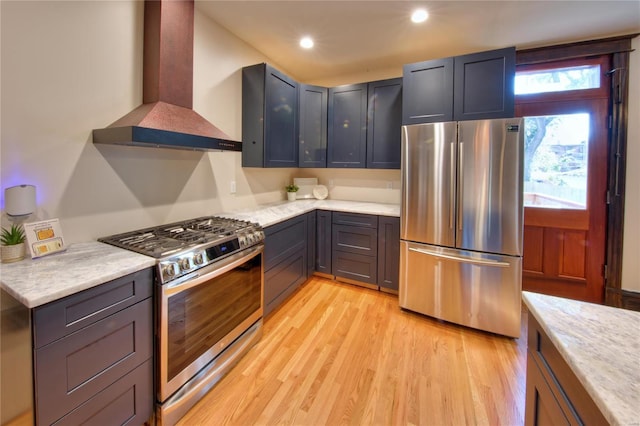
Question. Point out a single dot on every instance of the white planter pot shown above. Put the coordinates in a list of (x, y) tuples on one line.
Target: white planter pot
[(291, 196), (12, 253)]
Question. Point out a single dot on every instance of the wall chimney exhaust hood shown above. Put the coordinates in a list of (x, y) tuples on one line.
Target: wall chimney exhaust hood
[(166, 118)]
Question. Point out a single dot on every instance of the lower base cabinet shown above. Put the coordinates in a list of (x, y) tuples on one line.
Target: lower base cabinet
[(285, 260), (359, 248), (554, 394), (93, 355)]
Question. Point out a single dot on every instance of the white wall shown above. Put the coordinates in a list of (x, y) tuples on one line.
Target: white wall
[(631, 248), (70, 67)]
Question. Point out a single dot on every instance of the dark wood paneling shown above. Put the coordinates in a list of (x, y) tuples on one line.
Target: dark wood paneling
[(559, 52), (572, 262), (533, 246)]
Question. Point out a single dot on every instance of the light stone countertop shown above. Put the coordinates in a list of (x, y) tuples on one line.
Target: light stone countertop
[(601, 344), (34, 282), (270, 214)]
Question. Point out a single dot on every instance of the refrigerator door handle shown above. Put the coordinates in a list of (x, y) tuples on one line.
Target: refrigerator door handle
[(452, 176), (460, 185), (462, 259)]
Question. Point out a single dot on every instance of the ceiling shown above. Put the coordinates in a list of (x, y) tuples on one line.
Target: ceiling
[(356, 36)]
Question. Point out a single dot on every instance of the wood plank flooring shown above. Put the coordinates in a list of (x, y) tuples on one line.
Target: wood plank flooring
[(336, 354)]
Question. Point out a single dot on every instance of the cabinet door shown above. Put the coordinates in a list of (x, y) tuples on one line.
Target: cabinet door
[(281, 120), (323, 241), (484, 84), (311, 243), (389, 253), (428, 92), (75, 368), (384, 121), (269, 118), (313, 126), (347, 128)]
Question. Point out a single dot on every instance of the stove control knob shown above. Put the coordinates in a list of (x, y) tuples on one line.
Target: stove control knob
[(170, 270), (258, 235), (185, 263), (198, 259), (242, 240)]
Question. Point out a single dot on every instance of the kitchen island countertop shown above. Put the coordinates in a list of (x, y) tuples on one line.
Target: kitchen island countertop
[(34, 282), (601, 344), (270, 214)]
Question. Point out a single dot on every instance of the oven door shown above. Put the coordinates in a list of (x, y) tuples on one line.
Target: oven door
[(200, 314)]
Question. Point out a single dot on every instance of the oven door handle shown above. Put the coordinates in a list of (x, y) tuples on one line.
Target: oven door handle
[(211, 271)]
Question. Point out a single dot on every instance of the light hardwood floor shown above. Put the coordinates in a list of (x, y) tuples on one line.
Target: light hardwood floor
[(340, 354)]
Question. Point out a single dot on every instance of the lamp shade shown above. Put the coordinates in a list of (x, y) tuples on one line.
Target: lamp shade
[(20, 200)]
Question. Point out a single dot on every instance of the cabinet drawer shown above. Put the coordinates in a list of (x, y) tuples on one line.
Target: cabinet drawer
[(65, 316), (129, 401), (355, 239), (283, 279), (281, 240), (72, 370), (355, 267), (355, 219)]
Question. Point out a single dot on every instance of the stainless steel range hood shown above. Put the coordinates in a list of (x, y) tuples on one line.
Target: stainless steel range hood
[(166, 118)]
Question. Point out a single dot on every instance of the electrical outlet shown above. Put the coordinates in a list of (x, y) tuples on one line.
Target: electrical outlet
[(232, 187), (389, 185)]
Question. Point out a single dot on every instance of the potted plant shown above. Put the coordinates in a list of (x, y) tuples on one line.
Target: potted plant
[(291, 191), (12, 240)]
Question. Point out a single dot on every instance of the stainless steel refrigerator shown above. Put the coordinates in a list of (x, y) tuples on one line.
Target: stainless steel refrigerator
[(462, 222)]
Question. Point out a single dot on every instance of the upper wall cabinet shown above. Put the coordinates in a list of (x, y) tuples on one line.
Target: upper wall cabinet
[(469, 87), (313, 126), (347, 126), (384, 123), (269, 118), (364, 127), (428, 94)]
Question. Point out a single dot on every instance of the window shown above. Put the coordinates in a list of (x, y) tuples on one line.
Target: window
[(557, 79), (555, 161), (557, 138)]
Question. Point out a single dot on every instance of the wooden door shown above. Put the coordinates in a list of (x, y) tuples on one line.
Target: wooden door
[(564, 246)]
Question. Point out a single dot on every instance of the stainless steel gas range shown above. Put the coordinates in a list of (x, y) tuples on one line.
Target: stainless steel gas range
[(209, 286)]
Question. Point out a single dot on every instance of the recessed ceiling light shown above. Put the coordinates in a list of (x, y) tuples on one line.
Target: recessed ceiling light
[(306, 42), (419, 15)]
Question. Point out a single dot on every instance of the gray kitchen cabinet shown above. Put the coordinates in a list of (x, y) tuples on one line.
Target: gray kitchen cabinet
[(285, 260), (428, 92), (469, 87), (313, 126), (93, 354), (384, 124), (311, 243), (347, 126), (483, 85), (323, 242), (354, 243), (554, 395), (388, 253), (269, 118)]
